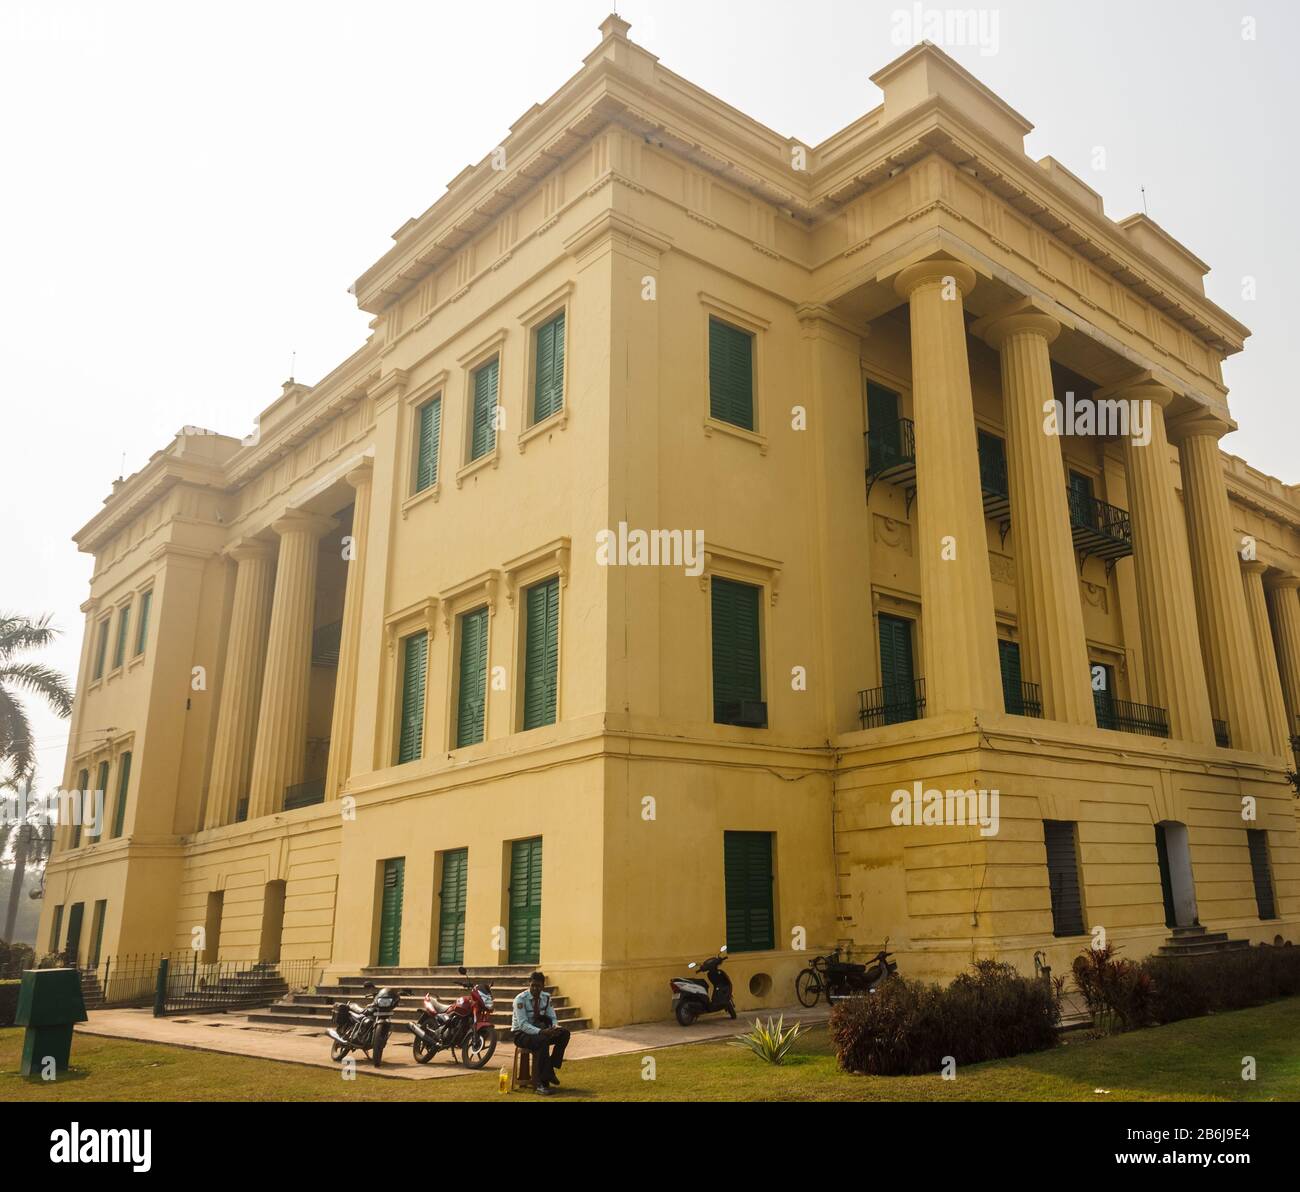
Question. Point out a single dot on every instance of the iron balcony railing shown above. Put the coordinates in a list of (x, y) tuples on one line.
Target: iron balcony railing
[(1029, 702), (304, 794), (891, 448), (1128, 717), (1222, 738), (893, 703), (1097, 528), (993, 486)]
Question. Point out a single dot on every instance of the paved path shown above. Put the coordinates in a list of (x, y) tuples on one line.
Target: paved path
[(235, 1035)]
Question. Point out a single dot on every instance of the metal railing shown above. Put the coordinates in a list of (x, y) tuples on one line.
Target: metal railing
[(1128, 717), (191, 986), (894, 703), (1028, 703), (1107, 522), (993, 473), (304, 794), (891, 446), (1222, 737)]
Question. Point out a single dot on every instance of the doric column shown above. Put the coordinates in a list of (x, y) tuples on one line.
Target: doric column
[(280, 755), (1175, 672), (1052, 640), (1284, 604), (1227, 644), (1252, 579), (959, 641), (241, 680), (345, 681)]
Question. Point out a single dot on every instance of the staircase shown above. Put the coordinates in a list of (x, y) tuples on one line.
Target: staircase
[(259, 985), (92, 993), (445, 983), (1196, 941)]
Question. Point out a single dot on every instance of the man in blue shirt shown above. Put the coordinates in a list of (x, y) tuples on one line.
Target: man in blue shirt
[(537, 1030)]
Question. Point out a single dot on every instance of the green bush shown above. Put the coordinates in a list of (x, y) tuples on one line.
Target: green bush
[(8, 1001), (1187, 987), (910, 1027), (1118, 993)]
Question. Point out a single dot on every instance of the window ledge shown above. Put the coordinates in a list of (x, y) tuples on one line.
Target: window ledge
[(139, 658), (113, 674), (492, 458), (712, 425), (432, 493), (557, 421)]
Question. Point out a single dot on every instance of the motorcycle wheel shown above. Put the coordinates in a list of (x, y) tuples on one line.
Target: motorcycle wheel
[(422, 1051), (807, 988), (687, 1013), (377, 1049), (479, 1047), (338, 1051)]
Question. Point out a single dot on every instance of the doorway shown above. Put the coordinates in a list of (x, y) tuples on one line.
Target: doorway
[(1177, 887), (268, 948)]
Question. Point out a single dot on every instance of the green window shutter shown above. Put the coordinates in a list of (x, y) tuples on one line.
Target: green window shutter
[(428, 436), (737, 661), (1063, 877), (83, 783), (142, 629), (747, 866), (73, 945), (97, 932), (101, 788), (390, 912), (415, 658), (123, 781), (470, 699), (101, 649), (1262, 872), (731, 374), (548, 383), (123, 625), (897, 674), (525, 945), (483, 433), (1103, 700), (56, 928), (451, 907), (1009, 661), (541, 653)]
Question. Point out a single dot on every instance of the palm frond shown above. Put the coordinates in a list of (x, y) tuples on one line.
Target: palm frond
[(17, 748), (24, 633), (41, 680)]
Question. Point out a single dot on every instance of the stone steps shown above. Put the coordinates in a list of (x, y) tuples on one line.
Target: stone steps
[(1197, 941)]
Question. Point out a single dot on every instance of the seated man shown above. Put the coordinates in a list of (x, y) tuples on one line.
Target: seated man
[(536, 1030)]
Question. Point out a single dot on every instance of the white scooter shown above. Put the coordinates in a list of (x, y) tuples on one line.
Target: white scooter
[(692, 995)]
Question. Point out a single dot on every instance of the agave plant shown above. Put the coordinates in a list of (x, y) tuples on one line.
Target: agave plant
[(771, 1042)]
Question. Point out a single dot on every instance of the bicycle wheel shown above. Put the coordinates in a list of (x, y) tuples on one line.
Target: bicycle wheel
[(808, 988)]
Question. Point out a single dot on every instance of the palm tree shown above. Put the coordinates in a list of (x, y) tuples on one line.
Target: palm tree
[(17, 748)]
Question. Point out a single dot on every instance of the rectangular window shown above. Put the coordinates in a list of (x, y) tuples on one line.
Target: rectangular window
[(731, 374), (899, 698), (97, 932), (525, 900), (83, 781), (1061, 839), (56, 928), (472, 680), (415, 659), (541, 653), (123, 781), (483, 431), (747, 865), (123, 625), (548, 378), (101, 794), (390, 912), (428, 436), (451, 906), (737, 660), (1103, 694), (1262, 871), (142, 626), (101, 649), (1009, 662)]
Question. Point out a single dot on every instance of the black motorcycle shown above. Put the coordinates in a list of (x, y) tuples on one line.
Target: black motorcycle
[(838, 978), (355, 1027), (692, 995)]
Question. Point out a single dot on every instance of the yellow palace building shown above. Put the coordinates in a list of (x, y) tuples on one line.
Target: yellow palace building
[(693, 494)]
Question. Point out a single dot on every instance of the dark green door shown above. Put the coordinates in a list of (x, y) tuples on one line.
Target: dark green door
[(1103, 697), (97, 932), (526, 901), (1081, 501), (1009, 660), (896, 673), (390, 912), (74, 930), (451, 907), (884, 436), (747, 872)]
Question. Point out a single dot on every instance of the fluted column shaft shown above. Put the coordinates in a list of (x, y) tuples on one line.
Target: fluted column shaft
[(1052, 641), (1284, 604), (1228, 647), (241, 681), (1161, 566), (1252, 580), (279, 757), (345, 682), (959, 641)]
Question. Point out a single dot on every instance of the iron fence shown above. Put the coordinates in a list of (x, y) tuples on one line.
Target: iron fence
[(193, 986), (893, 703)]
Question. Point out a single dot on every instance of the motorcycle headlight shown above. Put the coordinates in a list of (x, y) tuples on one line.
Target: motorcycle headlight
[(385, 1003)]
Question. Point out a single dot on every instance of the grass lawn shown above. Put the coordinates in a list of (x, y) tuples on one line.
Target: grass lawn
[(1197, 1060)]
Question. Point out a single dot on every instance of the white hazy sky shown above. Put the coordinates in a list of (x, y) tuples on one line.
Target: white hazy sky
[(187, 190)]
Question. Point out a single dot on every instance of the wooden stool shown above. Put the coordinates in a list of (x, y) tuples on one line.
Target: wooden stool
[(521, 1075)]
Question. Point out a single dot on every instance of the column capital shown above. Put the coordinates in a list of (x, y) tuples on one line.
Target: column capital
[(363, 473), (1022, 316), (1142, 387), (1199, 422), (243, 549), (934, 271), (1253, 566), (299, 521), (1282, 583)]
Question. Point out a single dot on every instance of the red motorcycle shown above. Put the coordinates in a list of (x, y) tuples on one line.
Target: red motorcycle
[(464, 1025)]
